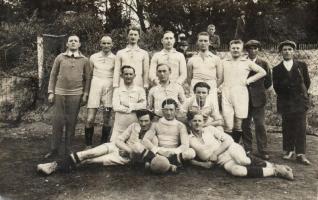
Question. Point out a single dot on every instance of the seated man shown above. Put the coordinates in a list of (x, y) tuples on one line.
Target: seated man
[(126, 148), (212, 145), (203, 103), (173, 139)]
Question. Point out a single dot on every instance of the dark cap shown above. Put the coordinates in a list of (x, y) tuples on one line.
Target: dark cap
[(252, 43), (288, 43)]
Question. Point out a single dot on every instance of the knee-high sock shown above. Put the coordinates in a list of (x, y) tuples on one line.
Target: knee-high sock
[(89, 136)]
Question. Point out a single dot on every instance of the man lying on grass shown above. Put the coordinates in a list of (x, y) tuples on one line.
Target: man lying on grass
[(214, 146)]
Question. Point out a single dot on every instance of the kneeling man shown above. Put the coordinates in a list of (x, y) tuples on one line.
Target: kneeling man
[(214, 146)]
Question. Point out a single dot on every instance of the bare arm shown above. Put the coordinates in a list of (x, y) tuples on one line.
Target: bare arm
[(146, 70), (152, 70), (190, 71), (183, 70), (117, 67)]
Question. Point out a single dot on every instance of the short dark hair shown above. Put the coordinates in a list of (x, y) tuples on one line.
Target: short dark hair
[(126, 67), (73, 35), (203, 33), (168, 102), (133, 28), (143, 112), (161, 64), (201, 84)]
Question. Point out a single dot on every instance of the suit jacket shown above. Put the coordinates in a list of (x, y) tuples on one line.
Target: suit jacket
[(257, 95), (291, 87)]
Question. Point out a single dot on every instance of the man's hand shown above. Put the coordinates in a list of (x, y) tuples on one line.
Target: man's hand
[(51, 98), (213, 157), (165, 153), (84, 99)]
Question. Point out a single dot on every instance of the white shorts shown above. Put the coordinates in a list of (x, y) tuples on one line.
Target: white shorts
[(234, 103), (112, 157), (234, 153), (101, 93)]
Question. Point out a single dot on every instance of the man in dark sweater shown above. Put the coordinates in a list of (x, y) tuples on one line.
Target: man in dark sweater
[(257, 101), (291, 82), (68, 89)]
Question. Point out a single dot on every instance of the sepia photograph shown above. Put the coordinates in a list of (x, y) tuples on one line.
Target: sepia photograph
[(158, 99)]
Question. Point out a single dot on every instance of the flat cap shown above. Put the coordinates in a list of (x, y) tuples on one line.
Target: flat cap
[(252, 43), (287, 42)]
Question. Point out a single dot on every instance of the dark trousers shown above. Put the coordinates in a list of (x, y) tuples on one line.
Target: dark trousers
[(66, 108), (294, 132), (258, 116)]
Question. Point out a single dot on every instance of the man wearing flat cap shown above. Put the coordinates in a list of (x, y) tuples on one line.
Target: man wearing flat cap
[(291, 82), (257, 101)]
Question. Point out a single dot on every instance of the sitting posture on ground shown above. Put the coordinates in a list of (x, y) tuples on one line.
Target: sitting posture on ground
[(173, 139), (127, 148), (214, 146)]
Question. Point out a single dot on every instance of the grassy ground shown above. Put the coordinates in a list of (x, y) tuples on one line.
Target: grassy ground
[(23, 147)]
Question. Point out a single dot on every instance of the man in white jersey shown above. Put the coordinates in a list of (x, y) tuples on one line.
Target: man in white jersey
[(126, 99), (133, 56), (205, 67), (235, 79), (172, 135), (214, 146), (168, 55), (101, 90), (165, 89), (124, 150)]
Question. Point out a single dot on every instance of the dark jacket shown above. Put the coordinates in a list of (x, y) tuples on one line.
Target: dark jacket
[(257, 89), (291, 87)]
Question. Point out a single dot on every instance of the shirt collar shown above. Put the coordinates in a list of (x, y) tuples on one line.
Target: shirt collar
[(195, 103), (102, 54), (132, 48), (164, 51), (206, 54), (77, 54), (288, 64), (124, 88)]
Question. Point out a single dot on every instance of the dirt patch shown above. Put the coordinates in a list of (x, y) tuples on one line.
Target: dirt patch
[(20, 153)]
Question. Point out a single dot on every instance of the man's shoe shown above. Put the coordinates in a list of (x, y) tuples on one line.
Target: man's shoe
[(288, 155), (47, 168), (51, 154), (284, 171), (301, 158)]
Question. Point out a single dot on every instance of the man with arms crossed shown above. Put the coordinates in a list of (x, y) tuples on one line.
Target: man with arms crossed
[(120, 152), (168, 55), (257, 101), (165, 89), (214, 146), (135, 57), (234, 89), (101, 92), (126, 99)]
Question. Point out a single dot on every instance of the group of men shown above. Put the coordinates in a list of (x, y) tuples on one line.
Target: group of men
[(164, 129)]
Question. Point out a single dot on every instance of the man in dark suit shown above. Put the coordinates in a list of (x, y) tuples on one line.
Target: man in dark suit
[(291, 82), (257, 101)]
